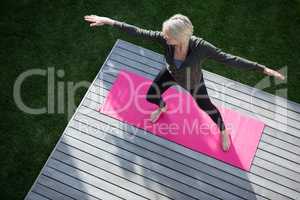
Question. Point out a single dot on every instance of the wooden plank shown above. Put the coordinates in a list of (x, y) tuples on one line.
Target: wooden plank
[(160, 165), (282, 136), (35, 196), (292, 157), (71, 190), (74, 190), (280, 143), (254, 178), (101, 172), (103, 159), (147, 53), (282, 171), (126, 169), (132, 63), (50, 193), (277, 100), (280, 101), (83, 182), (146, 62), (279, 113)]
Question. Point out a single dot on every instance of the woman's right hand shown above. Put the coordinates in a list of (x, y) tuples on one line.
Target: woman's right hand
[(97, 20), (274, 73)]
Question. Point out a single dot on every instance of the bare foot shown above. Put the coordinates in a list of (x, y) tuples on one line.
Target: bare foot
[(156, 114), (225, 142)]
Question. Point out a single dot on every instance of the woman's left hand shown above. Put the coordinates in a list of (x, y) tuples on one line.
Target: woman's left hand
[(274, 73)]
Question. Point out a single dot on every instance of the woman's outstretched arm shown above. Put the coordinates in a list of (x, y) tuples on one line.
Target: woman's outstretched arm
[(128, 28), (217, 54)]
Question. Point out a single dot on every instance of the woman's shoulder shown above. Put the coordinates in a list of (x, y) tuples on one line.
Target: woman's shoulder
[(197, 40), (201, 43)]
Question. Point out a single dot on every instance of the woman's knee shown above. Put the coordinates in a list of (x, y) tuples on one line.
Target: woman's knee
[(206, 105), (153, 93)]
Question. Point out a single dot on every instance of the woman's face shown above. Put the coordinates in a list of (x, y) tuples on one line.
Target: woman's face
[(169, 39)]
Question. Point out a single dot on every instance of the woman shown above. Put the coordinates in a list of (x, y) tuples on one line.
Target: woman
[(184, 54)]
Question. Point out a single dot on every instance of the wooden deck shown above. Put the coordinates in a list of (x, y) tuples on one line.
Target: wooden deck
[(98, 157)]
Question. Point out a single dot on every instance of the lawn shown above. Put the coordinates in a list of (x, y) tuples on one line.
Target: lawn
[(39, 34)]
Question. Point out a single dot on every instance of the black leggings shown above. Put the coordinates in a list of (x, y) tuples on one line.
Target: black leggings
[(164, 80)]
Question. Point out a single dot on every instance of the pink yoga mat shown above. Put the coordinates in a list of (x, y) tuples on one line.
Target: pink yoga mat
[(184, 122)]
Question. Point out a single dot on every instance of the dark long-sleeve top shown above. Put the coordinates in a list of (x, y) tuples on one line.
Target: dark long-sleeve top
[(190, 72)]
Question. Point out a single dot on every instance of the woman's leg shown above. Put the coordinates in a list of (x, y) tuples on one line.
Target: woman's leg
[(160, 84), (204, 102)]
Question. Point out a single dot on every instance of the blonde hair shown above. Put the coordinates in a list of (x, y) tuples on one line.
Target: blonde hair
[(179, 26)]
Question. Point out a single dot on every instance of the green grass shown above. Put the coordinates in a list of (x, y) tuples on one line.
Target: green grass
[(42, 34)]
